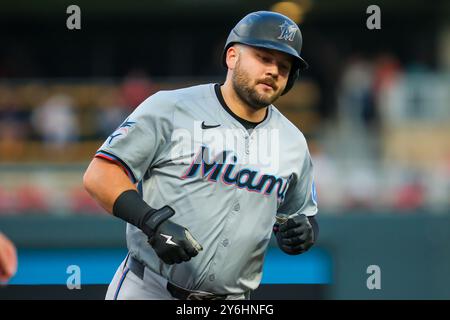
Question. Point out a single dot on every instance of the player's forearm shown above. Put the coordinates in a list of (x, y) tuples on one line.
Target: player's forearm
[(108, 184), (112, 189), (105, 182)]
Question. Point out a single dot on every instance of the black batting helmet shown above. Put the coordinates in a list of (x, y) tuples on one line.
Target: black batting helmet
[(271, 30)]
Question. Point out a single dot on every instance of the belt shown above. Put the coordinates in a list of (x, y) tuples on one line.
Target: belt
[(135, 266), (177, 292)]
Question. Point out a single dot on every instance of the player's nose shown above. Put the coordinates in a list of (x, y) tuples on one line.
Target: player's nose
[(272, 70)]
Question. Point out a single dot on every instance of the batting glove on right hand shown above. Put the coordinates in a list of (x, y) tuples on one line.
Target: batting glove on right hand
[(294, 235), (173, 243)]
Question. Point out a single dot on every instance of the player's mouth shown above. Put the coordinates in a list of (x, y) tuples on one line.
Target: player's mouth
[(266, 84)]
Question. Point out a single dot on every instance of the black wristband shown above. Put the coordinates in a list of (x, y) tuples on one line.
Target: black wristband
[(130, 206)]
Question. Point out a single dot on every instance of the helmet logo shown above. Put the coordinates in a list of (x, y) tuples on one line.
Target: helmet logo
[(287, 31)]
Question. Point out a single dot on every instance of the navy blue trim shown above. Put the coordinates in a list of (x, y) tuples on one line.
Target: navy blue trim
[(121, 162), (139, 188), (124, 275)]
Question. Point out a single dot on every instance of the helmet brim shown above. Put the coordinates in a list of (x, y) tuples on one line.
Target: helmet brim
[(299, 62)]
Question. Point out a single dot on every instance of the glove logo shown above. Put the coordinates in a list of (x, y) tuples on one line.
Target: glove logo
[(169, 239)]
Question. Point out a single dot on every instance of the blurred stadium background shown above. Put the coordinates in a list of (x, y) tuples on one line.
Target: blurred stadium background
[(374, 106)]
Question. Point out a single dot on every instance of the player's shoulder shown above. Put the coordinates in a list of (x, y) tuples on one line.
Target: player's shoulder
[(165, 101), (186, 93), (287, 128)]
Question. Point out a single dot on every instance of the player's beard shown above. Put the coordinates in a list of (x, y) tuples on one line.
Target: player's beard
[(242, 85)]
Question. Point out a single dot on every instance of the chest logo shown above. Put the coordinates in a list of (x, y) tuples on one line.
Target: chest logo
[(205, 126)]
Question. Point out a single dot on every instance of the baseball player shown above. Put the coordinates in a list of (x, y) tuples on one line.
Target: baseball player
[(185, 171)]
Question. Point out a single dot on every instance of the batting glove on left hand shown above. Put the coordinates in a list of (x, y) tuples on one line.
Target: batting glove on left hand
[(294, 235)]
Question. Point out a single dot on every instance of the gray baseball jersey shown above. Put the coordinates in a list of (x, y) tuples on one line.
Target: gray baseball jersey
[(226, 184)]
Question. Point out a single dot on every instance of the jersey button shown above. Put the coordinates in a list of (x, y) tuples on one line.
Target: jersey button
[(225, 242), (212, 277), (237, 207)]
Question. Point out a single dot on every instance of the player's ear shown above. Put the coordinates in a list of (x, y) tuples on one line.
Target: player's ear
[(232, 56)]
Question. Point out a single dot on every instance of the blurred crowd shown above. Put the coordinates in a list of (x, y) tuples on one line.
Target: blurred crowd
[(58, 114), (387, 147)]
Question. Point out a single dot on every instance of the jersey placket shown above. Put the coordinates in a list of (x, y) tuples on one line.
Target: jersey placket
[(225, 240), (225, 237)]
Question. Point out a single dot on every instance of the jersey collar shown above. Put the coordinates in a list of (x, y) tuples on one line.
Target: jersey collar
[(243, 122)]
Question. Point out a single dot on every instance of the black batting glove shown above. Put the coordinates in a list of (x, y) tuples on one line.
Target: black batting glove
[(294, 235), (172, 243)]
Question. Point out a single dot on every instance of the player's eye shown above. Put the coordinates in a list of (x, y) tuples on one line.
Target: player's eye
[(264, 58), (284, 68)]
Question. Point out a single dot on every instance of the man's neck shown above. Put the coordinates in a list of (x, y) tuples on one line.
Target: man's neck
[(239, 107)]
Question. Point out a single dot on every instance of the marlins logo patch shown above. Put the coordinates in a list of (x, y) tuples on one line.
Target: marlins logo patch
[(121, 131), (288, 31)]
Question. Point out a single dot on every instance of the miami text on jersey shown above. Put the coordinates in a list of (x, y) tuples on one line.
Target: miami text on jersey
[(222, 168)]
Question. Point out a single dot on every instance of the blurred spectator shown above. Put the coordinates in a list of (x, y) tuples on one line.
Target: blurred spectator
[(110, 113), (386, 71), (356, 107), (31, 198), (387, 75), (14, 129), (7, 201), (56, 122), (354, 142), (137, 87), (410, 196), (360, 184)]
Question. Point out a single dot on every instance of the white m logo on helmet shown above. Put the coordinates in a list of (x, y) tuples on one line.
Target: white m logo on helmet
[(287, 31)]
